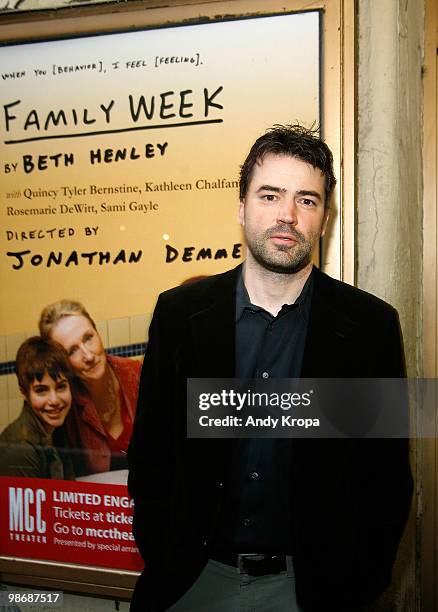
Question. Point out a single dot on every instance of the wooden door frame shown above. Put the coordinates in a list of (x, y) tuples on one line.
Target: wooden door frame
[(427, 456)]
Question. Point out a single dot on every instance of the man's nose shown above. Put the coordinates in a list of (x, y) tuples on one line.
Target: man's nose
[(287, 212)]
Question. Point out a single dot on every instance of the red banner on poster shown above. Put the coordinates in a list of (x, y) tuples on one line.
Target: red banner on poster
[(60, 520)]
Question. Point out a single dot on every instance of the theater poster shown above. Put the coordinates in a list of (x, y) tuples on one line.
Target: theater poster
[(120, 158)]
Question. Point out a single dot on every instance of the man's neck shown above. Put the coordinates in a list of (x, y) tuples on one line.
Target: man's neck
[(271, 290)]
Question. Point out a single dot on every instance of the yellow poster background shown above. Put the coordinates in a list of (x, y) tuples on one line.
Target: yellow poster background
[(178, 108)]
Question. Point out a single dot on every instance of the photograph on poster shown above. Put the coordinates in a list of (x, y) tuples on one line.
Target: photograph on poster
[(120, 163)]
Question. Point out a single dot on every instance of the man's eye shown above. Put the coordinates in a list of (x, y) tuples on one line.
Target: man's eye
[(307, 202), (269, 197), (88, 337), (72, 351)]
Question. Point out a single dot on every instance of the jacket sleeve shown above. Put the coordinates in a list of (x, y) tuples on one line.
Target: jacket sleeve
[(150, 453), (383, 480), (22, 459), (355, 492)]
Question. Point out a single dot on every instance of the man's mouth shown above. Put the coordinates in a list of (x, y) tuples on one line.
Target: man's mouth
[(285, 238)]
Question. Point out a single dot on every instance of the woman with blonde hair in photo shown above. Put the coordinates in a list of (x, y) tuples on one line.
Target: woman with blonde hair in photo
[(105, 389)]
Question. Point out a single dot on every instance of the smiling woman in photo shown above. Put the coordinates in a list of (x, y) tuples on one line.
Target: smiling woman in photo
[(105, 389), (34, 444)]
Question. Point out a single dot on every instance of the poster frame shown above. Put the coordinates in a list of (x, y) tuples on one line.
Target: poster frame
[(337, 91)]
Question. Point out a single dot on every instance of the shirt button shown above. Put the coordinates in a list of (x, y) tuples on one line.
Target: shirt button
[(246, 522), (254, 475), (265, 375)]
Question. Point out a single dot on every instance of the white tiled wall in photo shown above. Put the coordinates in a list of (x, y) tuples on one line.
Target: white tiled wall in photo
[(102, 328), (118, 332), (15, 399), (12, 344), (4, 413), (122, 331), (12, 385), (3, 388), (139, 326)]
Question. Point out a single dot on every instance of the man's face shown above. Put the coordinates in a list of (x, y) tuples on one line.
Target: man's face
[(283, 213)]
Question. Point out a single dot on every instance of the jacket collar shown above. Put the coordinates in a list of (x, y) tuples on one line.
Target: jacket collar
[(212, 329), (328, 330)]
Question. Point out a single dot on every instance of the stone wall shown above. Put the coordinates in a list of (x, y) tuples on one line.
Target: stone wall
[(389, 199)]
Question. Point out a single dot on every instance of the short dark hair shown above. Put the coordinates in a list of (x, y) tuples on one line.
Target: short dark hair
[(293, 141), (39, 356)]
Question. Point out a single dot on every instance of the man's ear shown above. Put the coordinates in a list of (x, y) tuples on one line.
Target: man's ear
[(325, 221), (241, 214)]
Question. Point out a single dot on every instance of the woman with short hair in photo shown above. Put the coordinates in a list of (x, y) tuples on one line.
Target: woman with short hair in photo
[(34, 444)]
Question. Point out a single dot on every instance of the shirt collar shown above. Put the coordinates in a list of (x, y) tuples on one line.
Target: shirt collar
[(243, 301)]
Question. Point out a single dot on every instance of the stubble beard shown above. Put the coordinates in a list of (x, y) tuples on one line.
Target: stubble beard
[(282, 259)]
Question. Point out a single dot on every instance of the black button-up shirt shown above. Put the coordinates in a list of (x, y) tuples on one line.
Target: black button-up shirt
[(257, 505)]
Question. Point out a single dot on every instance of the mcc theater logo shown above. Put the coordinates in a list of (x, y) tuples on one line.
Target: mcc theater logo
[(26, 511)]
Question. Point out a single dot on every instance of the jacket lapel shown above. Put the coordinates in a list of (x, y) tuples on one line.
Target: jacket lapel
[(212, 355), (327, 354), (329, 331), (212, 330)]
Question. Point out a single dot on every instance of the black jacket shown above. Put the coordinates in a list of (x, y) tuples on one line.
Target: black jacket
[(352, 495)]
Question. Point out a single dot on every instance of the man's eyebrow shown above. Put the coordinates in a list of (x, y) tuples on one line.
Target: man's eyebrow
[(271, 188), (308, 192)]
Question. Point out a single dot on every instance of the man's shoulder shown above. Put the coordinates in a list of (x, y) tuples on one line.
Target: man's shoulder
[(335, 294), (200, 294), (350, 299)]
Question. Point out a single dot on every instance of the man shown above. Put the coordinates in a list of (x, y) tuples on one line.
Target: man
[(308, 525)]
